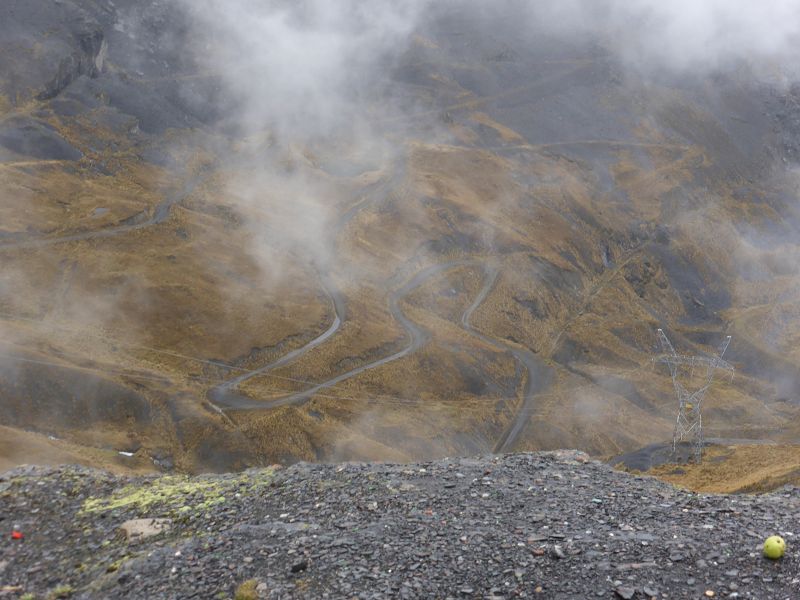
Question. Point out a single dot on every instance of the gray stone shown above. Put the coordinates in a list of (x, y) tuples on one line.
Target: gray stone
[(136, 530), (626, 593)]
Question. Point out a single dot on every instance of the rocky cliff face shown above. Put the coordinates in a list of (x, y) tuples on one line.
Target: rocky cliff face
[(86, 60), (551, 525), (47, 47)]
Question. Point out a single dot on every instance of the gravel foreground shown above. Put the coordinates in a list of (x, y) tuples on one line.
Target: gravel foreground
[(539, 525)]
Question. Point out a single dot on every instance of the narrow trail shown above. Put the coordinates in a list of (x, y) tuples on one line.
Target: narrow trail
[(546, 404), (538, 376), (160, 214), (612, 143), (475, 102), (16, 164), (604, 280)]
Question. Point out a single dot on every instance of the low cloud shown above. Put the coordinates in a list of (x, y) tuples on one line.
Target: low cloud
[(301, 69), (681, 35)]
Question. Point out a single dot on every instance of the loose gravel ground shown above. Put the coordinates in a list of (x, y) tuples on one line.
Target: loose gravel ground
[(541, 525)]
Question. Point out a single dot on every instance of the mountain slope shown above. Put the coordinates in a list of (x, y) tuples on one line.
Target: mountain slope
[(472, 255)]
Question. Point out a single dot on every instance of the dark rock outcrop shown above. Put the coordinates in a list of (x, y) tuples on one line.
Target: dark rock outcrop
[(87, 59), (35, 139), (46, 46)]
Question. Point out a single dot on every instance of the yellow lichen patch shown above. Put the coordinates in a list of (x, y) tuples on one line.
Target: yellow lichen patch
[(178, 493)]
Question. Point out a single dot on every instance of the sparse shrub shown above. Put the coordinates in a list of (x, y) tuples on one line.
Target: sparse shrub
[(247, 590), (62, 591)]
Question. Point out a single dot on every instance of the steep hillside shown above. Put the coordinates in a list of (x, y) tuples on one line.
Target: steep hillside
[(742, 468), (462, 245)]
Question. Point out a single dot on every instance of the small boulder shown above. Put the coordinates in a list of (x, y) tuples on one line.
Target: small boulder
[(137, 530), (299, 566), (626, 593)]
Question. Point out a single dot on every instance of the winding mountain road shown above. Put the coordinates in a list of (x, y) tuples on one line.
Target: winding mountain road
[(538, 377), (225, 394), (417, 337)]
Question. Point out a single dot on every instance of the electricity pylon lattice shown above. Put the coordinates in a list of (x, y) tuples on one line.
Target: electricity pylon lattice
[(689, 424)]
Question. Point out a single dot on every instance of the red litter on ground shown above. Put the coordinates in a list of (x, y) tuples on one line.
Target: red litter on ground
[(16, 535)]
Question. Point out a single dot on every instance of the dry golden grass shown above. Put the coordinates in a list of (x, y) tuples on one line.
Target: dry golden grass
[(160, 300), (737, 469), (67, 198), (19, 447)]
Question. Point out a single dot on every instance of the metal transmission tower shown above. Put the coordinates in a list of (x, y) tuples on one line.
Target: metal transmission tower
[(689, 424)]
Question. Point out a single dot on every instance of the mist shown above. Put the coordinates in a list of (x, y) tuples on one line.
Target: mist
[(313, 157), (681, 36), (312, 69), (306, 69), (316, 78)]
